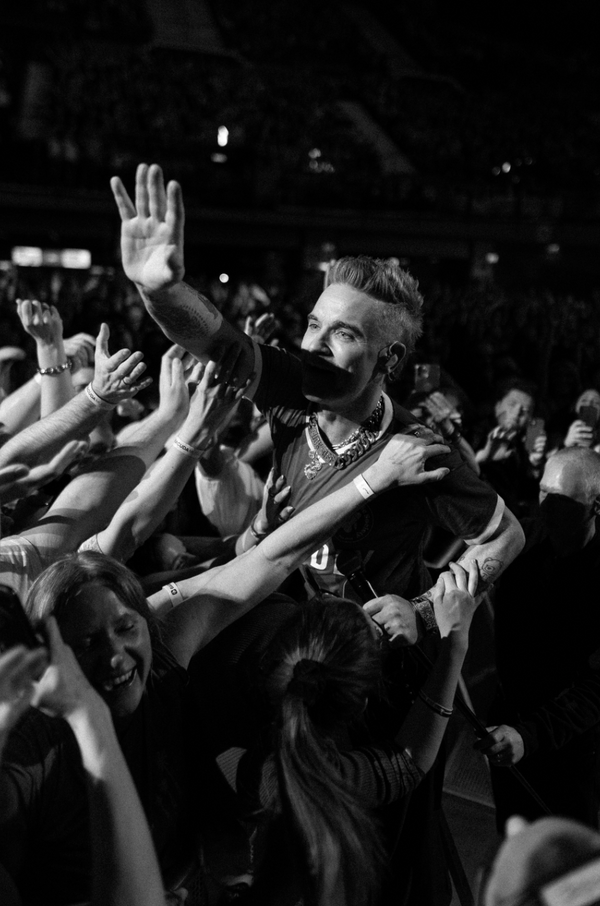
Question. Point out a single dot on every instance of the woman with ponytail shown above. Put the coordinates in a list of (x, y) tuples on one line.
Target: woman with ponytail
[(312, 794)]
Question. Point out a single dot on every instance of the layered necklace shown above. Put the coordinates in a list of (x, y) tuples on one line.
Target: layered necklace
[(354, 446)]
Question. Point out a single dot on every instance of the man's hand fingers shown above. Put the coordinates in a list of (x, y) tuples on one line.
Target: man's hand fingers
[(157, 194), (436, 449), (102, 341), (124, 203), (141, 191), (175, 215), (432, 475)]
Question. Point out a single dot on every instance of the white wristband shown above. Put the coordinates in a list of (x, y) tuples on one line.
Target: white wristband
[(98, 400), (175, 596), (363, 487)]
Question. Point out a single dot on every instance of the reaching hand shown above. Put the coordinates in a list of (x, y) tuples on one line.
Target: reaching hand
[(499, 445), (40, 321), (397, 618), (151, 230), (215, 399), (174, 399), (274, 510), (80, 350), (260, 329), (63, 690), (403, 461), (538, 454), (454, 601), (503, 746), (119, 376)]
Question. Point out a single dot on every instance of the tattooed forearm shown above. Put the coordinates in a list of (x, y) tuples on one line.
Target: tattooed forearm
[(186, 316), (489, 570)]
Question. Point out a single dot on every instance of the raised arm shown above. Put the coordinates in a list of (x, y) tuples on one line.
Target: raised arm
[(218, 597), (44, 324), (152, 253), (116, 377), (125, 869), (148, 504)]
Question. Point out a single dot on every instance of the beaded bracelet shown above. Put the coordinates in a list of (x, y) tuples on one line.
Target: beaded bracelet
[(363, 487), (97, 399), (422, 606), (435, 706), (57, 369)]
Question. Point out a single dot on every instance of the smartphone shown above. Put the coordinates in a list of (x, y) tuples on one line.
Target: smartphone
[(535, 429), (589, 415), (427, 378), (15, 628)]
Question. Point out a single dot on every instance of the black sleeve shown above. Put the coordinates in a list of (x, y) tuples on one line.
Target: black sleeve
[(567, 715)]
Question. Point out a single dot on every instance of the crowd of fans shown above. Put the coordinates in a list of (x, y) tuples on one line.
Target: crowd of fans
[(158, 559)]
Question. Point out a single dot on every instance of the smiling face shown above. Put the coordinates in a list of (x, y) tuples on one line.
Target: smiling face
[(112, 644), (340, 349)]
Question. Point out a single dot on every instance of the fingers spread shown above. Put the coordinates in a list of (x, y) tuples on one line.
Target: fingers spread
[(157, 194), (141, 191), (124, 203)]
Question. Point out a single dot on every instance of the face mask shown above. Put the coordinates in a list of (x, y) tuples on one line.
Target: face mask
[(567, 521)]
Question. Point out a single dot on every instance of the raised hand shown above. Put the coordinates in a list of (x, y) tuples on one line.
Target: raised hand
[(404, 459), (260, 329), (40, 321), (119, 376), (215, 399), (274, 510), (174, 398), (63, 690), (151, 229), (79, 349)]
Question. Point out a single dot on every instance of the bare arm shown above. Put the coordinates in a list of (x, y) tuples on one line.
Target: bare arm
[(116, 377), (152, 499), (218, 597), (495, 554), (423, 730), (44, 324), (22, 407), (152, 252), (125, 869)]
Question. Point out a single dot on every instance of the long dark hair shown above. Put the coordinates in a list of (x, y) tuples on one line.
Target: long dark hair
[(321, 668)]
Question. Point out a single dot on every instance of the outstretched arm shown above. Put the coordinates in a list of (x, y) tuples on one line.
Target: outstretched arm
[(218, 597), (116, 377), (148, 504), (152, 253)]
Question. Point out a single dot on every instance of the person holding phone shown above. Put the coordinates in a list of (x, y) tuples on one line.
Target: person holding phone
[(510, 459), (583, 431)]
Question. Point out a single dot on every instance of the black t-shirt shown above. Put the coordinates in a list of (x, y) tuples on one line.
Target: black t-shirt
[(389, 530)]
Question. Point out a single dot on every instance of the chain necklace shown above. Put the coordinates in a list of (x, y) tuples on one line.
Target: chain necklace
[(361, 440)]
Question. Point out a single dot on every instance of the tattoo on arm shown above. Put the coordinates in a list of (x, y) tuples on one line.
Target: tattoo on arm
[(193, 313), (489, 571)]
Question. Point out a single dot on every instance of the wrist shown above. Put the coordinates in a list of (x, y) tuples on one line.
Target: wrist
[(377, 477)]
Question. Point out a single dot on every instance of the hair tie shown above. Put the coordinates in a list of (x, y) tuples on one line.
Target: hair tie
[(308, 681)]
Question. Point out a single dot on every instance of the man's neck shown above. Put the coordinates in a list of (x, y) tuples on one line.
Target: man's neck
[(339, 424)]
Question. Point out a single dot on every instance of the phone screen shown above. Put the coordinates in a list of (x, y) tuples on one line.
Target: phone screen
[(535, 429), (589, 415)]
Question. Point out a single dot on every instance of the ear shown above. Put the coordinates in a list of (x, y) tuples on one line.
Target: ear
[(390, 357)]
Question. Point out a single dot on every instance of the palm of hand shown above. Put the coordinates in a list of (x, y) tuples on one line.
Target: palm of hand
[(152, 253)]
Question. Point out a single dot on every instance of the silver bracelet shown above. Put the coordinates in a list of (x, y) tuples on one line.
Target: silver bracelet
[(435, 706), (97, 399), (57, 369)]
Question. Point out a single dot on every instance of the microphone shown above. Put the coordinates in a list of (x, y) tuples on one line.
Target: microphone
[(350, 565)]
